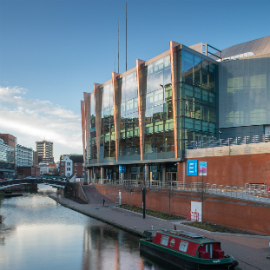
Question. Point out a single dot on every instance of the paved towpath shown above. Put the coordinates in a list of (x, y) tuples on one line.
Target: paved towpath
[(249, 251)]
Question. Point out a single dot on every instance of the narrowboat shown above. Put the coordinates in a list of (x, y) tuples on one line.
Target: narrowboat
[(185, 250)]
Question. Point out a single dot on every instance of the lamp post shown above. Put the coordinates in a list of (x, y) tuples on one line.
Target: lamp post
[(143, 199)]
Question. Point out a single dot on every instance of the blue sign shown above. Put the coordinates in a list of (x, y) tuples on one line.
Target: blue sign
[(192, 167), (203, 168), (122, 168)]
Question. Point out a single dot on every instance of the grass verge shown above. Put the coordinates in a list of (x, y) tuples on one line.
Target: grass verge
[(215, 228), (150, 212)]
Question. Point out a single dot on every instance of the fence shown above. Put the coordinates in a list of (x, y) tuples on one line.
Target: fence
[(208, 142), (251, 192)]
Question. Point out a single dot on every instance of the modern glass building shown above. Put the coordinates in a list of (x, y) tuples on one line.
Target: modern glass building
[(7, 160), (136, 125), (244, 89)]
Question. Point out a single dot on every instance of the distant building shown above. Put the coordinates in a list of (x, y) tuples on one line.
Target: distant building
[(45, 151), (24, 156), (70, 165), (28, 171), (47, 168), (35, 158), (9, 139), (7, 158)]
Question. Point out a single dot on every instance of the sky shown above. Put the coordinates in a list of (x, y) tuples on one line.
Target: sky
[(51, 51)]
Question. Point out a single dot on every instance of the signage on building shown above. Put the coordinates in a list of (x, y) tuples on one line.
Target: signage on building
[(267, 130), (122, 168), (203, 168), (192, 167)]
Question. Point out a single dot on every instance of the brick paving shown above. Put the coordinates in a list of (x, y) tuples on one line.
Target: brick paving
[(249, 250)]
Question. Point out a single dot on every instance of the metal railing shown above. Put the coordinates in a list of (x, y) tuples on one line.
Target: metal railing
[(250, 192), (208, 142)]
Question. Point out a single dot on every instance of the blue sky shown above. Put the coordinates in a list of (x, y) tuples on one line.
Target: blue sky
[(51, 51)]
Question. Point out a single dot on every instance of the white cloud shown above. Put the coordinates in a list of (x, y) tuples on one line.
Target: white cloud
[(34, 120)]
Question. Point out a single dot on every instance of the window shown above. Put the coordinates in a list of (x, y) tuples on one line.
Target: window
[(83, 169), (68, 163), (76, 169), (62, 174), (68, 169), (164, 240), (183, 246), (62, 169), (62, 163), (75, 164)]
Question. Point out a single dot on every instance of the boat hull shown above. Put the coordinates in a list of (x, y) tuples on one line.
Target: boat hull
[(180, 261)]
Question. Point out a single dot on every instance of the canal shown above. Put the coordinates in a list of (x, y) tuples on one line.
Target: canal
[(38, 233)]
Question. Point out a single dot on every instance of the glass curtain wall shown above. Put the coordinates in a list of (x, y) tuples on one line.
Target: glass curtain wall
[(107, 130), (198, 96), (93, 136), (129, 144), (159, 132)]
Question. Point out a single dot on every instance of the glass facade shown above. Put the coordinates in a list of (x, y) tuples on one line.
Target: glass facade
[(159, 129), (107, 129), (93, 137), (132, 116), (7, 160), (129, 141), (244, 92), (198, 94)]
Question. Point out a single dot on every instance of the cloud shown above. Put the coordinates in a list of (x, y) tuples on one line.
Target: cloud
[(34, 120)]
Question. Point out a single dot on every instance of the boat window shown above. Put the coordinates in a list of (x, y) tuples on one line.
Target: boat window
[(172, 242), (164, 240), (183, 246)]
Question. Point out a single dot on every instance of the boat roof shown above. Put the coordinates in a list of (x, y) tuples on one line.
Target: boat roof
[(198, 238)]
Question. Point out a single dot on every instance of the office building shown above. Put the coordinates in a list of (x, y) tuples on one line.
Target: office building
[(136, 125), (7, 160), (24, 156), (45, 151)]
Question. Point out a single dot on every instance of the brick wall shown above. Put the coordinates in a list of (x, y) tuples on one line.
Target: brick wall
[(229, 212), (231, 170)]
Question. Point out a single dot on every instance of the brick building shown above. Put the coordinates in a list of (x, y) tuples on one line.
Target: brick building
[(70, 165)]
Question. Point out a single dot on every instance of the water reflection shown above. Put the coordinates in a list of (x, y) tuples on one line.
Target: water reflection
[(40, 234)]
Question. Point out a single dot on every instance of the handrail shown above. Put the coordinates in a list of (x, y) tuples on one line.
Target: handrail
[(214, 142), (251, 192)]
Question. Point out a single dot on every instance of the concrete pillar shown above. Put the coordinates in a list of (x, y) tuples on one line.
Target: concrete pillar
[(147, 172), (102, 171), (163, 174), (122, 176)]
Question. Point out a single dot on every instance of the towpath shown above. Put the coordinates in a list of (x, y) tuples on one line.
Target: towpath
[(249, 250)]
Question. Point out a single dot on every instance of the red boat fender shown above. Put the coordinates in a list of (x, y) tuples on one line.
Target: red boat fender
[(218, 254), (204, 254)]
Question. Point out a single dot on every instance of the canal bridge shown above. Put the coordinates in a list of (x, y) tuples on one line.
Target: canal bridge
[(59, 182)]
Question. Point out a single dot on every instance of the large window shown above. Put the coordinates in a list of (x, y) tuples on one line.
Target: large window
[(158, 127), (107, 134), (129, 121), (198, 96)]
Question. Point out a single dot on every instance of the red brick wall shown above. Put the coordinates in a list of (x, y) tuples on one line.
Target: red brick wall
[(232, 170), (218, 210)]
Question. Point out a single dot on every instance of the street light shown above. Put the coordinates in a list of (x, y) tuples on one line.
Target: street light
[(143, 199)]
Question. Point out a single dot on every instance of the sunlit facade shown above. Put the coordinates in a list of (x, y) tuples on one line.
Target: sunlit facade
[(136, 125)]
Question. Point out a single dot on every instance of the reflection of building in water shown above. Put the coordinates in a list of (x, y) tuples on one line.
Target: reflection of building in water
[(107, 248)]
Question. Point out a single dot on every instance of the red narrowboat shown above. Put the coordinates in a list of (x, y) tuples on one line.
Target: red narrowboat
[(185, 250)]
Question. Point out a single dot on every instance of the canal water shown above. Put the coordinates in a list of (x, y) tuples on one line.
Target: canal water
[(38, 233)]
